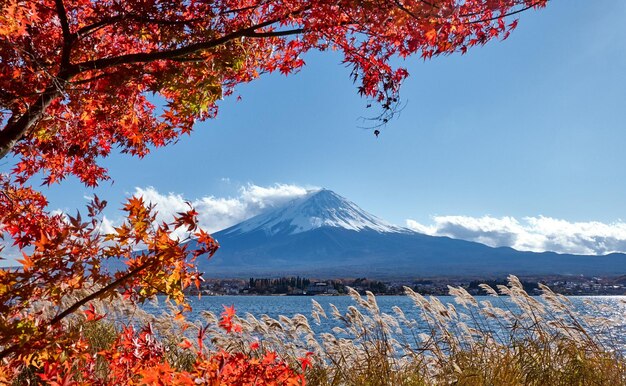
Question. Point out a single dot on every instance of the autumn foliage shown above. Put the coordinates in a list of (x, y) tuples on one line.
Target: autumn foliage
[(138, 357), (76, 83)]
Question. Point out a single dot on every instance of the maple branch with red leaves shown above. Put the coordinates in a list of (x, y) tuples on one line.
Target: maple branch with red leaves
[(78, 304), (17, 128), (18, 125), (74, 87)]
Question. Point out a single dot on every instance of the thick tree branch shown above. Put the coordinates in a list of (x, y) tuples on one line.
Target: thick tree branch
[(63, 19), (17, 126), (86, 30), (88, 80), (143, 57), (275, 33), (67, 35)]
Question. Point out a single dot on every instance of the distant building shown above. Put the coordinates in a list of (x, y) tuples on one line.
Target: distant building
[(317, 288)]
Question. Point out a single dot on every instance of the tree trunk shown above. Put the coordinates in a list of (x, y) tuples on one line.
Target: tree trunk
[(18, 126)]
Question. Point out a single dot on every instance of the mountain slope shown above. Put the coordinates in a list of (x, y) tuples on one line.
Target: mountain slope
[(321, 208), (325, 235)]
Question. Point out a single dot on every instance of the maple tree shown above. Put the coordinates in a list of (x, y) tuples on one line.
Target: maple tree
[(75, 83)]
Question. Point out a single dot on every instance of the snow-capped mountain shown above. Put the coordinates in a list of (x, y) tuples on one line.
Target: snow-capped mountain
[(319, 208), (325, 235)]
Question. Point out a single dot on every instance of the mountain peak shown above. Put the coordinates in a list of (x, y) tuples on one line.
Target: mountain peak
[(317, 209)]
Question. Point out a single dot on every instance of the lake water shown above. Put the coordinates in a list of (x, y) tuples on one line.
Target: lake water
[(290, 305)]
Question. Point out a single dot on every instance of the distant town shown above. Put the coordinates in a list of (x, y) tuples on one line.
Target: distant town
[(301, 286)]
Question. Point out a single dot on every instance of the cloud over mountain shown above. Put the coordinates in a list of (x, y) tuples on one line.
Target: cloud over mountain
[(217, 213), (536, 234)]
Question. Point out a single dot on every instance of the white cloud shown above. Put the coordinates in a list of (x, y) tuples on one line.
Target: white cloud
[(216, 213), (106, 226), (531, 233)]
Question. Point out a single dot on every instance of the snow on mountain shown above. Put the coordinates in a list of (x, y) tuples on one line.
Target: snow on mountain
[(319, 208)]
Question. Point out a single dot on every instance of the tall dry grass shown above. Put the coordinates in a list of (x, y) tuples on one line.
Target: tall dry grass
[(523, 340)]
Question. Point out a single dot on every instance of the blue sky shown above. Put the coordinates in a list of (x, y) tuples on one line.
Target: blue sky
[(528, 127)]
